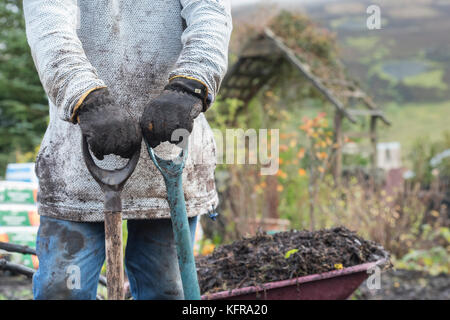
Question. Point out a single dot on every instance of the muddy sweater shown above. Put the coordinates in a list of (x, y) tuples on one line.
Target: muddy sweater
[(133, 48)]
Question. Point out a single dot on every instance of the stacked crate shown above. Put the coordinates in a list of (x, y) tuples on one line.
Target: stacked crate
[(19, 220)]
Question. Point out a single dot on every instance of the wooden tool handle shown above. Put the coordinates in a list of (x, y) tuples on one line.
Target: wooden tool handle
[(112, 182), (114, 255)]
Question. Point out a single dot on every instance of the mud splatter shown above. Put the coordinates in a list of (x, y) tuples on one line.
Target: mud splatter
[(73, 242)]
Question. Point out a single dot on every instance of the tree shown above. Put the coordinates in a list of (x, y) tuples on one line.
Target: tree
[(23, 103)]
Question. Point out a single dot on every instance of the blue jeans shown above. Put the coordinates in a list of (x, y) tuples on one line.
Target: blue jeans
[(71, 255)]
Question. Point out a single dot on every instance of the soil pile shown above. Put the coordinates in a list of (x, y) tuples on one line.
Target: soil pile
[(285, 255)]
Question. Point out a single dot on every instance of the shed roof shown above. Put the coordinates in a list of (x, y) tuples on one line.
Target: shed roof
[(259, 62)]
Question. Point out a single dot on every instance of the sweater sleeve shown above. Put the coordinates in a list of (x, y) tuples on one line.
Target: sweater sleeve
[(204, 56), (64, 70)]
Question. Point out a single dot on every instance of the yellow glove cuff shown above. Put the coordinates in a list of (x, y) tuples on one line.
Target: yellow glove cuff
[(74, 117)]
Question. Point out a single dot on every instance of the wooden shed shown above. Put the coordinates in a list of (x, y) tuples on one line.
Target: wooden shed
[(259, 62)]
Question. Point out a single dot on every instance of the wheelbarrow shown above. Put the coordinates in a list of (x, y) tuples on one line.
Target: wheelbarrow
[(112, 182), (172, 172), (332, 285)]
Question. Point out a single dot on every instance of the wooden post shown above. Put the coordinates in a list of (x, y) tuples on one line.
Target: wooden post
[(337, 167), (271, 197), (373, 142)]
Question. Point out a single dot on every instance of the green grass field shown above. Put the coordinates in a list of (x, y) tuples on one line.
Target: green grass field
[(413, 121)]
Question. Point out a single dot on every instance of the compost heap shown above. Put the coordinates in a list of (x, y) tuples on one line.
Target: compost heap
[(284, 255)]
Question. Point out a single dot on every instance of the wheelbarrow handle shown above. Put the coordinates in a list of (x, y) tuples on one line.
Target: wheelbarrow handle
[(172, 172), (112, 182)]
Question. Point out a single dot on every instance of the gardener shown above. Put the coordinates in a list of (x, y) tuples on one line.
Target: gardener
[(108, 66)]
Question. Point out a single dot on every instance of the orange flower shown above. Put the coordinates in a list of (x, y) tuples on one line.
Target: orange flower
[(302, 172), (322, 143), (281, 174), (321, 115), (321, 155), (292, 143), (301, 153), (207, 249), (307, 124), (283, 147), (279, 188)]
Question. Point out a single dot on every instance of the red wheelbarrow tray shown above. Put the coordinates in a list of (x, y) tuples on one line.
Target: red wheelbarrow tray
[(332, 285)]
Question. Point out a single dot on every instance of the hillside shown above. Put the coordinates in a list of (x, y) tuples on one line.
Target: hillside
[(405, 65), (408, 60)]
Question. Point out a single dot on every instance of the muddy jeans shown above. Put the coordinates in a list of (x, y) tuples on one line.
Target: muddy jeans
[(71, 255)]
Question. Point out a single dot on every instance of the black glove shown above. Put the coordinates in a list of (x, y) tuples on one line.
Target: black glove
[(181, 101), (109, 128)]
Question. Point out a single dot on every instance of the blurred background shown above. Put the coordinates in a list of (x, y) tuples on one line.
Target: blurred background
[(362, 114)]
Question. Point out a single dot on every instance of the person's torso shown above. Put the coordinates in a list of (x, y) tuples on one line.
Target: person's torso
[(133, 45)]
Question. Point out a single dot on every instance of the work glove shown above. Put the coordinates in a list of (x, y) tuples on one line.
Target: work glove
[(109, 129), (181, 101)]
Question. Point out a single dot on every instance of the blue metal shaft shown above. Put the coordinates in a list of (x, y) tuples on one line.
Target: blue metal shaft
[(172, 173), (182, 235)]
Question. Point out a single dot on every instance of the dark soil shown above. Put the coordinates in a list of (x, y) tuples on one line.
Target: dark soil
[(261, 259)]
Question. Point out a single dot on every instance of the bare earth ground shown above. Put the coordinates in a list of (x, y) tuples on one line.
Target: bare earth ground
[(14, 287), (408, 285)]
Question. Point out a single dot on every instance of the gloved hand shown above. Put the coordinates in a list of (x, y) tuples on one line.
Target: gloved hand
[(109, 128), (181, 101)]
